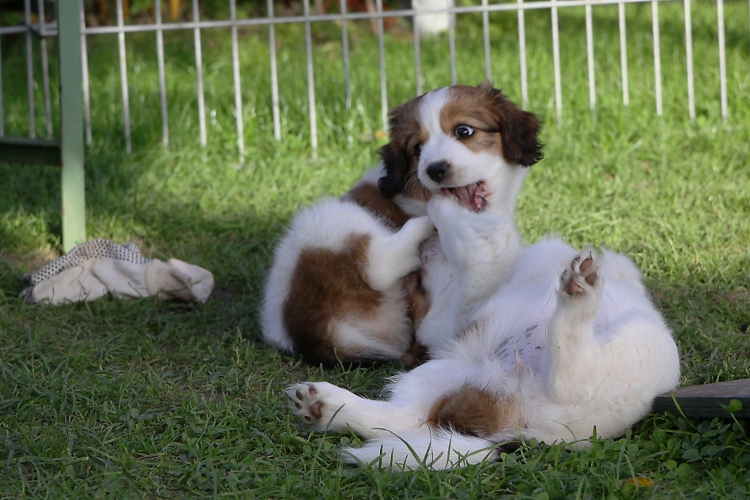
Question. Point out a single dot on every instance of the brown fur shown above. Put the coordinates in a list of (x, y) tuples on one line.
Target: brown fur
[(475, 412), (400, 156), (419, 301), (419, 304), (497, 122), (416, 354), (327, 285), (368, 196)]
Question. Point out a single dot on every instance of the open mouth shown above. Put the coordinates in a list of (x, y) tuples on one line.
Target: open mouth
[(471, 196)]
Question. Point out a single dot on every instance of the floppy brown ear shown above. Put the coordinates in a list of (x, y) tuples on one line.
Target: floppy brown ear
[(520, 132), (392, 183)]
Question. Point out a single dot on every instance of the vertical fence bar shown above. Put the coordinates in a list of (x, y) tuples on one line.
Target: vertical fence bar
[(85, 74), (274, 74), (590, 56), (556, 60), (124, 77), (657, 54), (2, 113), (236, 75), (162, 75), (486, 34), (199, 73), (623, 55), (452, 41), (383, 81), (722, 60), (522, 53), (417, 56), (71, 129), (45, 68), (30, 70), (345, 54), (689, 59), (311, 80)]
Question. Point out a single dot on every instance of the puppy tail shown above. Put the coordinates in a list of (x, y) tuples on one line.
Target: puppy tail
[(437, 451)]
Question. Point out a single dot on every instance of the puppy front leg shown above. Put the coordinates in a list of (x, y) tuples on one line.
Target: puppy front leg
[(326, 407), (483, 246), (572, 346), (390, 259)]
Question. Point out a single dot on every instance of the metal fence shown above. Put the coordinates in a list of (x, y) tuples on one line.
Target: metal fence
[(44, 30)]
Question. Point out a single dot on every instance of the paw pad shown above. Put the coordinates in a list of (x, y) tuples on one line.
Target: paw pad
[(303, 398), (581, 274)]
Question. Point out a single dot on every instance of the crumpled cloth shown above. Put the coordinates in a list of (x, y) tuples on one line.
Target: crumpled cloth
[(100, 267)]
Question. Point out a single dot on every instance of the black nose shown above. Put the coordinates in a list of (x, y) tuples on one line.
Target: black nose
[(436, 171)]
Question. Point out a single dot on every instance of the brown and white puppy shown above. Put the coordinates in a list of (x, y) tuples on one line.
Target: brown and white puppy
[(543, 342), (344, 284)]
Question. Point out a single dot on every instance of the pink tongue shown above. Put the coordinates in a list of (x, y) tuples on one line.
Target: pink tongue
[(471, 196)]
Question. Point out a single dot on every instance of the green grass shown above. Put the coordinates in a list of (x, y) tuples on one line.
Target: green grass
[(148, 398)]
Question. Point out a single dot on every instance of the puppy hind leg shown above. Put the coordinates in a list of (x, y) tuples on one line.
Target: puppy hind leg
[(326, 407), (572, 346), (391, 258)]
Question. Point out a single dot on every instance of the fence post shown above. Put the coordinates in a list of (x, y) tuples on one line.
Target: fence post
[(71, 129)]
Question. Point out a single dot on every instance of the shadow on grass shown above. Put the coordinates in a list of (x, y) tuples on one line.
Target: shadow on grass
[(235, 246)]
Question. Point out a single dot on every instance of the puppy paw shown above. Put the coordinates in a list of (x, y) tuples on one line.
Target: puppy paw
[(582, 275), (415, 231), (441, 207), (305, 402), (422, 227), (318, 404)]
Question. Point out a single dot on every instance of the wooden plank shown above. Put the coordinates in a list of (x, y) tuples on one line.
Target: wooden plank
[(705, 401), (25, 150)]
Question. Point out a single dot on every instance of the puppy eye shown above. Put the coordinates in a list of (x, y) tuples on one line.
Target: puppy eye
[(417, 149), (464, 131)]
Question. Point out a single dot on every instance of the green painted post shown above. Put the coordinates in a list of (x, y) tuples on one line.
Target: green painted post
[(71, 127)]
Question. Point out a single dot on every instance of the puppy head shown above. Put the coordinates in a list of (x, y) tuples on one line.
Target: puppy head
[(462, 141)]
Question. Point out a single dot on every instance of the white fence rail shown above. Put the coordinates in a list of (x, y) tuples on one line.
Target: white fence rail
[(197, 26)]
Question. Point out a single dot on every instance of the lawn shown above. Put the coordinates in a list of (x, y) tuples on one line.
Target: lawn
[(116, 399)]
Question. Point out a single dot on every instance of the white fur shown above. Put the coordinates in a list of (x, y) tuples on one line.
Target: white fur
[(577, 364)]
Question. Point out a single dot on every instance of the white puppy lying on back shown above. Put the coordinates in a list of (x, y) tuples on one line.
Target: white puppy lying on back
[(541, 342)]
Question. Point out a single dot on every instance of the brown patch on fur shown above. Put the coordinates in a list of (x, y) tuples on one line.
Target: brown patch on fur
[(419, 301), (368, 196), (475, 412), (401, 155), (416, 354), (327, 285), (499, 125)]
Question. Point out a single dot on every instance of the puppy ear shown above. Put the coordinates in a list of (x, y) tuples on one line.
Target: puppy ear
[(392, 183), (520, 132)]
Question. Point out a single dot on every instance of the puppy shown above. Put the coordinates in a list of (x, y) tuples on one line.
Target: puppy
[(543, 342), (343, 285)]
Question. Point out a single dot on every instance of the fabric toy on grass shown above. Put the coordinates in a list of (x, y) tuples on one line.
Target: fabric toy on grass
[(100, 267)]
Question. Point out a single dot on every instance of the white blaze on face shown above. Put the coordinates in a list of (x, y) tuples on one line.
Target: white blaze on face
[(429, 110), (436, 148)]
